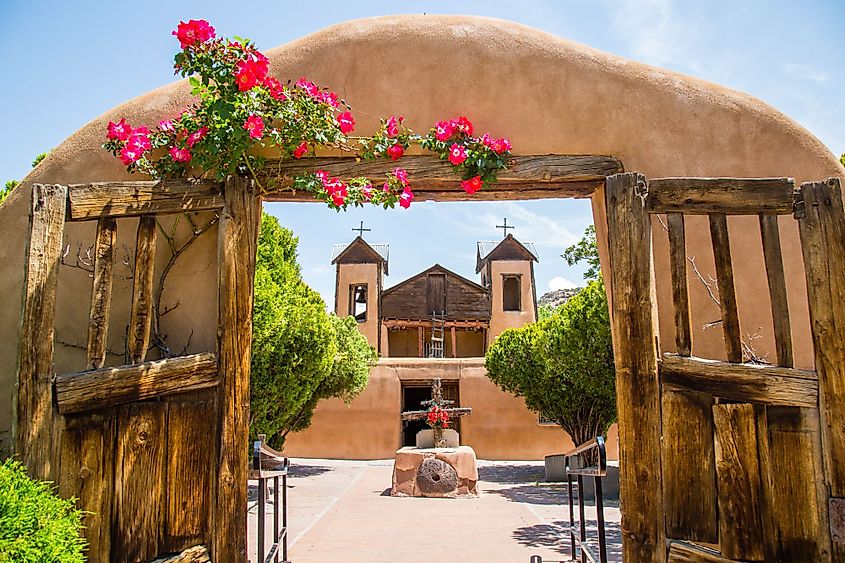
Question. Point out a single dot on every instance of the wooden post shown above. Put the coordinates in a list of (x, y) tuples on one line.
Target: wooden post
[(821, 220), (420, 339), (33, 433), (680, 292), (454, 344), (142, 289), (236, 247), (98, 323), (635, 351)]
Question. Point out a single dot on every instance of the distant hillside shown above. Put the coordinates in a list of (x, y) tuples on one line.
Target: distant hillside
[(557, 297)]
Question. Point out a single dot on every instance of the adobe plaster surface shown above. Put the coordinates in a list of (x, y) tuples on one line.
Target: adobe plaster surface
[(547, 94)]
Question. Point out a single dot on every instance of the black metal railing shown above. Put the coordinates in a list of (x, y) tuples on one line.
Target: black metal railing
[(270, 465), (587, 460)]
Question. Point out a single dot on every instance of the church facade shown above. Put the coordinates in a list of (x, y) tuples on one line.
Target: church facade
[(436, 324)]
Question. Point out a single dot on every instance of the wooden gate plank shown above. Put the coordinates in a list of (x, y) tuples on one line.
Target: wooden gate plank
[(142, 290), (98, 323), (689, 475), (738, 482), (734, 196), (770, 236), (635, 351), (87, 473), (680, 552), (236, 247), (821, 221), (34, 420), (107, 387), (727, 292), (139, 482), (680, 290)]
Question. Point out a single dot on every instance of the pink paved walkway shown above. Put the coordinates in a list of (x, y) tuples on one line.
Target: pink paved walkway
[(340, 511)]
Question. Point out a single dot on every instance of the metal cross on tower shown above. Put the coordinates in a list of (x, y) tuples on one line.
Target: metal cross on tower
[(505, 227), (361, 230)]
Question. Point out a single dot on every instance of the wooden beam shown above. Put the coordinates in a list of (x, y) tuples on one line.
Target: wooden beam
[(98, 322), (399, 324), (420, 338), (33, 436), (727, 291), (680, 290), (106, 387), (142, 289), (236, 247), (770, 236), (731, 196), (130, 199), (682, 552), (635, 353), (738, 483), (741, 382), (454, 343), (821, 223)]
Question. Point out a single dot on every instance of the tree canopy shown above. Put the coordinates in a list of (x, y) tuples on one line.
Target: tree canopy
[(587, 250), (300, 353)]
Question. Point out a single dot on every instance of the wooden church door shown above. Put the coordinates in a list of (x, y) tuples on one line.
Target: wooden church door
[(726, 460), (155, 451)]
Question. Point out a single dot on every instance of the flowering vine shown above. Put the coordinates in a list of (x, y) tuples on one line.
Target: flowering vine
[(242, 111)]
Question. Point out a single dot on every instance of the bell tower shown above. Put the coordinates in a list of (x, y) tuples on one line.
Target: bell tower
[(359, 278)]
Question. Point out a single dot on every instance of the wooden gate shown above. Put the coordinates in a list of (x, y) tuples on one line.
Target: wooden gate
[(156, 450), (725, 460)]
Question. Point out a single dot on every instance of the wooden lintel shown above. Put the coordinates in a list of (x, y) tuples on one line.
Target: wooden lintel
[(742, 382), (731, 196), (129, 199), (399, 324), (106, 387)]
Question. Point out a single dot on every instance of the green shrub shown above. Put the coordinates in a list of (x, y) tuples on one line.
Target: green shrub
[(36, 525)]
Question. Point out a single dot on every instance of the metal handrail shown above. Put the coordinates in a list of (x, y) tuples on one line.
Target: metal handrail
[(280, 536), (597, 471)]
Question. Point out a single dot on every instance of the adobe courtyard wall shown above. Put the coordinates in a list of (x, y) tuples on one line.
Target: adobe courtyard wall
[(547, 94), (369, 427)]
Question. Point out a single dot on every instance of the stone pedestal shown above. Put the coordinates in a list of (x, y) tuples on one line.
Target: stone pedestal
[(425, 438), (435, 472)]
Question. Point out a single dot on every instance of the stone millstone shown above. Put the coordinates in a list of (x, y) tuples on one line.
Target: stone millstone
[(436, 477)]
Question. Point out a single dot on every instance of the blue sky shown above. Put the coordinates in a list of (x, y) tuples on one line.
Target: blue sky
[(65, 63)]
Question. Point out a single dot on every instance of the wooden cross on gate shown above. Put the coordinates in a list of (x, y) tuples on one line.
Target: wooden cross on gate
[(505, 227), (361, 230), (438, 401)]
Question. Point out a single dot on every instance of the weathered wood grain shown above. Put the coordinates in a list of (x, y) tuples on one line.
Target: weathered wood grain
[(236, 247), (98, 322), (680, 552), (130, 199), (635, 353), (107, 387), (770, 236), (142, 289), (821, 223), (738, 482), (139, 482), (196, 554), (33, 436), (731, 196), (741, 382), (680, 290), (87, 473), (190, 453), (727, 291), (399, 324), (689, 475)]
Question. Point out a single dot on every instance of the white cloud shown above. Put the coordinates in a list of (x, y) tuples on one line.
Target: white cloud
[(805, 71), (561, 283)]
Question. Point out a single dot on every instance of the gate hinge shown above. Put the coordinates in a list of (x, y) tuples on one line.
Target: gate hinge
[(837, 519)]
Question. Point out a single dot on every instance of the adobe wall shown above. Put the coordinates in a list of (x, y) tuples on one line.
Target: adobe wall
[(500, 319), (547, 94), (349, 274), (500, 426)]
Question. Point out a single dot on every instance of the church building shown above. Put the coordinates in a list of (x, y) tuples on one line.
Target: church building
[(436, 324)]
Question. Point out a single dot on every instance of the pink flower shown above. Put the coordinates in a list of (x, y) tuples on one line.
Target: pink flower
[(396, 151), (247, 74), (196, 136), (180, 155), (139, 142), (120, 130), (486, 139), (195, 31), (260, 64), (401, 175), (277, 91), (346, 122), (322, 175), (301, 150), (443, 130), (463, 125), (255, 126), (367, 190), (166, 125), (499, 146), (334, 185), (472, 185), (329, 98), (386, 187), (457, 154), (129, 154), (308, 86), (392, 125), (405, 198)]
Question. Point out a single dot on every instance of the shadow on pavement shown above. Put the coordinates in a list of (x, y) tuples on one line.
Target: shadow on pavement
[(300, 470), (511, 474), (555, 537)]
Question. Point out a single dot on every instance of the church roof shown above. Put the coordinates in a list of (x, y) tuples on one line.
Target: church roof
[(360, 251), (506, 249)]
